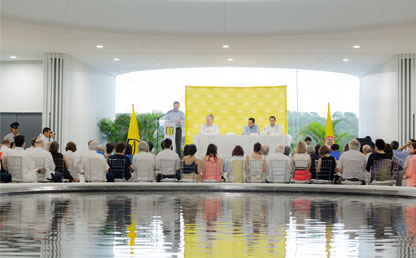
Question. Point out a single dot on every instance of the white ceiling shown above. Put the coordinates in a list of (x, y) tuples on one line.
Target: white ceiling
[(155, 34)]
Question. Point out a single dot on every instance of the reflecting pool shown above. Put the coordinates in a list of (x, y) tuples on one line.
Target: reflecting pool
[(207, 224)]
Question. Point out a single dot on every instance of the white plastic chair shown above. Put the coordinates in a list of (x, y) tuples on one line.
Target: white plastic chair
[(40, 164), (94, 171), (235, 171), (255, 171), (279, 171), (168, 168), (15, 167), (144, 171)]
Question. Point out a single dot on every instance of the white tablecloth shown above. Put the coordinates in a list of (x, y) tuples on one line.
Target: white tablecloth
[(226, 143)]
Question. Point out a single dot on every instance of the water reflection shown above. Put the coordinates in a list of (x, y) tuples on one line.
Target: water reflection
[(206, 225)]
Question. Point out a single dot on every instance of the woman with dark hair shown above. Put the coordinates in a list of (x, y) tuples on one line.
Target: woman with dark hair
[(235, 166), (212, 165), (186, 150), (109, 148), (256, 171), (61, 164), (325, 170), (191, 165), (73, 160), (128, 152)]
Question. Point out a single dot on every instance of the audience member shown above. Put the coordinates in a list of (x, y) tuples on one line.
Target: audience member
[(192, 165), (45, 161), (314, 160), (213, 167), (109, 149), (32, 145), (325, 170), (288, 151), (301, 162), (367, 151), (334, 152), (116, 170), (101, 150), (61, 163), (73, 160), (5, 176), (264, 150), (253, 175), (400, 155), (317, 147), (150, 145), (278, 156), (378, 155), (142, 156), (352, 163), (232, 174), (412, 151), (346, 147), (169, 155), (410, 174), (186, 150), (129, 151), (94, 165)]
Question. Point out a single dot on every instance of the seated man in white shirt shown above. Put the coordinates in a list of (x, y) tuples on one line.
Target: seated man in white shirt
[(272, 128), (141, 158), (279, 156), (44, 161), (167, 155), (93, 165), (209, 128), (29, 172), (5, 177), (351, 164)]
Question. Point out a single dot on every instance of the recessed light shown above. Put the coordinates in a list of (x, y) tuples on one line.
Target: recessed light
[(345, 60), (230, 59), (356, 46), (226, 46), (116, 59), (13, 57), (99, 46), (326, 47)]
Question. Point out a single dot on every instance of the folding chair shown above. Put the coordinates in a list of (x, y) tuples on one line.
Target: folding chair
[(144, 171), (211, 172), (255, 171), (15, 168), (381, 172), (60, 167), (73, 170), (168, 169), (301, 166), (40, 164), (354, 170), (235, 171), (95, 171), (326, 174), (117, 168), (188, 172), (279, 171)]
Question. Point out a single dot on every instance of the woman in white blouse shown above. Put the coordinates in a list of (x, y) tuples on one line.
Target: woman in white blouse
[(209, 127)]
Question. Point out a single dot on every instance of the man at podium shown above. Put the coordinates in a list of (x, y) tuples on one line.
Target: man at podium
[(178, 118), (209, 128)]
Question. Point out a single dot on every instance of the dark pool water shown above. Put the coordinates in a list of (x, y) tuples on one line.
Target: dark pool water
[(208, 224)]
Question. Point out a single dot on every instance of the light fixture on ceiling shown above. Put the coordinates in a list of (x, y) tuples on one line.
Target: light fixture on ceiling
[(116, 59), (345, 60), (326, 47), (230, 59), (99, 46), (356, 46), (226, 46), (13, 57)]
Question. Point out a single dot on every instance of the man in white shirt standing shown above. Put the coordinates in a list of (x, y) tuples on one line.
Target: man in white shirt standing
[(168, 155), (45, 136), (272, 128), (209, 128), (44, 161), (28, 165)]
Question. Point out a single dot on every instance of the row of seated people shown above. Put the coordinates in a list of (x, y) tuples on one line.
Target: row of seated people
[(167, 166)]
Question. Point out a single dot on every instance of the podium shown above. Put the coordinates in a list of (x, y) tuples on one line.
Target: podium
[(169, 130)]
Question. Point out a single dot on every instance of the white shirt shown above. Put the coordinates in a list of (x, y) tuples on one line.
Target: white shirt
[(102, 163), (272, 130), (209, 129), (279, 156), (28, 165), (4, 149), (49, 165), (74, 167), (45, 141), (349, 162), (167, 154), (143, 156)]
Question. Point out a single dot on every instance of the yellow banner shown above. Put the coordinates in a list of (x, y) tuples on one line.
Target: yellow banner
[(232, 107)]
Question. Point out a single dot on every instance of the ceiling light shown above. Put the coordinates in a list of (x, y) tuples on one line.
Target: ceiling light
[(356, 46), (326, 47), (345, 60), (226, 46), (230, 59), (99, 46), (116, 59), (13, 57)]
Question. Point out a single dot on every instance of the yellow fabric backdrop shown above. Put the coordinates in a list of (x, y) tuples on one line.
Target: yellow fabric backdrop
[(232, 106)]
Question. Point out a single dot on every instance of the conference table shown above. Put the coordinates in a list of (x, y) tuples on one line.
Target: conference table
[(226, 143)]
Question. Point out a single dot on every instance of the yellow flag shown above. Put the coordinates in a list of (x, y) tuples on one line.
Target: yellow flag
[(133, 138), (329, 134)]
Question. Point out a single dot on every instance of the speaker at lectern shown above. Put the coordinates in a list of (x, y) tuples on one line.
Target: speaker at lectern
[(170, 132)]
